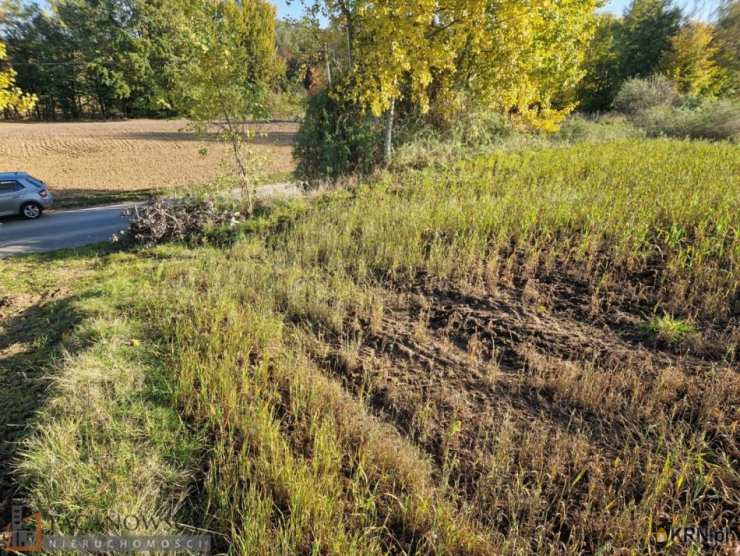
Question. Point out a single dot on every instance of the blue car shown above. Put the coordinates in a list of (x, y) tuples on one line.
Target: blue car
[(23, 194)]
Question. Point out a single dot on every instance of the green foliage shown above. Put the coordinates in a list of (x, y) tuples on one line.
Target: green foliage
[(474, 128), (433, 52), (669, 328), (222, 82), (645, 36), (432, 55), (699, 58), (580, 128), (691, 61), (637, 95), (655, 106), (10, 95), (305, 45), (335, 139), (602, 78), (230, 59), (289, 104), (715, 119), (421, 143), (87, 57), (727, 42)]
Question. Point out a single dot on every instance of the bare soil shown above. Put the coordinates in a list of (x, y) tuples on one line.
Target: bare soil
[(528, 383), (112, 158)]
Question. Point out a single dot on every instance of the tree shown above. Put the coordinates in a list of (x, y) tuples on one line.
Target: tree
[(645, 37), (727, 42), (304, 46), (690, 62), (527, 59), (601, 82), (223, 77), (10, 95), (509, 56), (341, 14), (92, 56), (46, 64)]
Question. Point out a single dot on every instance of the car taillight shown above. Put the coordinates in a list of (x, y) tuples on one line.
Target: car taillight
[(43, 193)]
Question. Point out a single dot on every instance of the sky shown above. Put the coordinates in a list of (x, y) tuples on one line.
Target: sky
[(294, 8)]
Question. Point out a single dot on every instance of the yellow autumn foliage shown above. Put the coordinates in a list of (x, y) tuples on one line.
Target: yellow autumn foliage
[(691, 64), (10, 95), (513, 57)]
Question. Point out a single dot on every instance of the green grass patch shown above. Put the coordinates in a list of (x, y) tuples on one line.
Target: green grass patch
[(613, 213), (89, 426), (669, 328)]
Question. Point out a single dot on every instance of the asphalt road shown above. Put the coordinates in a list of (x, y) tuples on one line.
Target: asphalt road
[(75, 228), (60, 229)]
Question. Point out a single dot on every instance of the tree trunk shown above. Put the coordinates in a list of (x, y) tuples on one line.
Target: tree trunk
[(350, 40), (347, 13), (244, 184), (236, 138), (388, 135), (328, 64)]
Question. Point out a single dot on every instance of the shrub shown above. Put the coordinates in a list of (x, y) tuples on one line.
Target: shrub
[(335, 139), (718, 120), (663, 121), (578, 128), (422, 144), (637, 95), (286, 105), (481, 128)]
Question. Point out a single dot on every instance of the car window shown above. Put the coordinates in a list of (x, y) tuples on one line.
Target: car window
[(9, 186), (35, 181)]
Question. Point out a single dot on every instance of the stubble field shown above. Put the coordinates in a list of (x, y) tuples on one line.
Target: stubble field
[(96, 161)]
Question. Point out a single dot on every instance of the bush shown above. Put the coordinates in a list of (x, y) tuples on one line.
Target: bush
[(335, 139), (484, 128), (663, 121), (718, 120), (422, 144), (655, 106), (638, 95), (578, 128), (286, 105)]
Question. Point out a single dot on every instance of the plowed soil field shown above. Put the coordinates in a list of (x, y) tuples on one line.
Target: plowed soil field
[(88, 160)]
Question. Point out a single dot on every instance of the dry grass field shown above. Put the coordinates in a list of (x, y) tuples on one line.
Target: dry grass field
[(522, 353), (95, 161)]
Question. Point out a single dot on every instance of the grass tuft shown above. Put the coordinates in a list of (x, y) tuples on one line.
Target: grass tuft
[(669, 328)]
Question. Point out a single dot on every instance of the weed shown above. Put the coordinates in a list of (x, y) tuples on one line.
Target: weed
[(669, 328)]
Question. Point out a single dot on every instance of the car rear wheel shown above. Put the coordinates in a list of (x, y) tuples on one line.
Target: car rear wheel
[(31, 210)]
